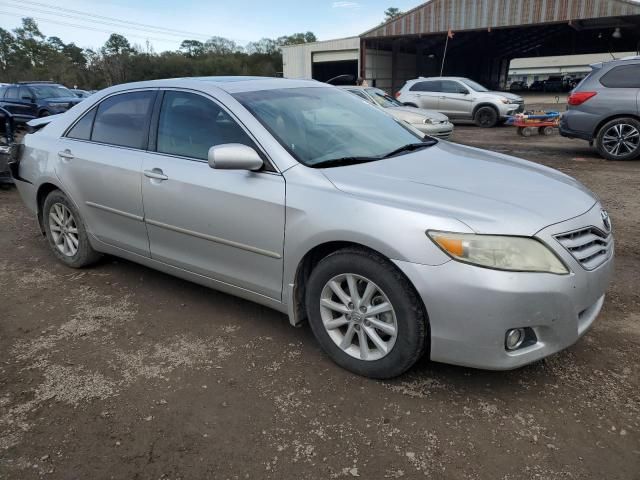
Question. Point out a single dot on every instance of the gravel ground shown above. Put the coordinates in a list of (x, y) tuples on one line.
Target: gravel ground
[(119, 371)]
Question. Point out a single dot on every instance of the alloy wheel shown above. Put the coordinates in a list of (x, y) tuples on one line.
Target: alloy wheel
[(621, 139), (64, 230), (358, 316)]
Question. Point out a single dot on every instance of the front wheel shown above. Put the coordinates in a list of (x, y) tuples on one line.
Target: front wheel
[(66, 231), (619, 139), (365, 314), (486, 117)]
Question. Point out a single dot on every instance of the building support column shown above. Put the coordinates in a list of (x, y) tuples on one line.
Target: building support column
[(394, 65)]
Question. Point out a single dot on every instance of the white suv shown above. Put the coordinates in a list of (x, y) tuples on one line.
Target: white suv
[(460, 99)]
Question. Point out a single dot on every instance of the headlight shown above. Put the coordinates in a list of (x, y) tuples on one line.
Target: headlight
[(519, 254), (428, 121), (505, 100)]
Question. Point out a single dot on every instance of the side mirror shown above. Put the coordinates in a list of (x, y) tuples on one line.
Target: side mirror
[(234, 156)]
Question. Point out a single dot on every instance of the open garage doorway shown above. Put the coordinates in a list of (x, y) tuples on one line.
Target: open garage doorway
[(323, 71)]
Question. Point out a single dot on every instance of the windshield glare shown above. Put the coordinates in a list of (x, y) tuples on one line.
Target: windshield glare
[(316, 124), (382, 98), (51, 91), (474, 85)]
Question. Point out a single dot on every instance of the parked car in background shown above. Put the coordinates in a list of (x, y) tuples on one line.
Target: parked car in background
[(460, 99), (396, 245), (28, 100), (604, 109), (429, 122), (537, 86), (518, 86), (556, 83), (81, 93)]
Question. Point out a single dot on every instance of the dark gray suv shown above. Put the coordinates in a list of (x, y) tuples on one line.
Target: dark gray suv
[(605, 109)]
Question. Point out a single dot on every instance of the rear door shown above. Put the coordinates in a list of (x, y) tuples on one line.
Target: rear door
[(427, 93), (224, 224), (100, 164)]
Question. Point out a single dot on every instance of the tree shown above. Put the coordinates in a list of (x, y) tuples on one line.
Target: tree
[(117, 45), (297, 38), (192, 48), (391, 13)]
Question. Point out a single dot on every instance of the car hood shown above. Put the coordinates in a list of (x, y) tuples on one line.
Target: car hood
[(406, 113), (510, 96), (489, 192)]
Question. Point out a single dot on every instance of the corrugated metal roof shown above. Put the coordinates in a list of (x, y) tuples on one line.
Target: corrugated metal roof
[(441, 15)]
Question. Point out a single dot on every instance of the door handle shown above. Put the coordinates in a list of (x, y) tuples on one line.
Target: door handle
[(66, 154), (156, 174)]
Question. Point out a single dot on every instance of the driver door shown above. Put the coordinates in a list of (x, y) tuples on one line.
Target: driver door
[(224, 224)]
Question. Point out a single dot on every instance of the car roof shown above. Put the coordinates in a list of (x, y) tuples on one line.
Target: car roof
[(230, 84)]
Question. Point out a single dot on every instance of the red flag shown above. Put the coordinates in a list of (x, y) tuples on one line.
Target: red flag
[(450, 34)]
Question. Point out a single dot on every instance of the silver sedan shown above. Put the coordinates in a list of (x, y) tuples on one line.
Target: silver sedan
[(429, 122), (301, 197)]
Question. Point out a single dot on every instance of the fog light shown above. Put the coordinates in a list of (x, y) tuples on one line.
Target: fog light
[(514, 338)]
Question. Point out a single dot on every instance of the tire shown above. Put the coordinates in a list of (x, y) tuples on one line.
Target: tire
[(545, 131), (486, 117), (390, 287), (84, 255), (607, 139)]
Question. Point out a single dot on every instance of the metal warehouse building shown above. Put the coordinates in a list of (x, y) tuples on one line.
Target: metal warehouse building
[(487, 35)]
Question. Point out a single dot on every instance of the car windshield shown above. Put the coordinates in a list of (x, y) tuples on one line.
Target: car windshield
[(474, 85), (51, 91), (382, 98), (321, 125)]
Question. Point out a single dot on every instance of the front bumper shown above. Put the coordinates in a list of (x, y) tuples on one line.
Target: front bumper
[(437, 130), (470, 308), (511, 109)]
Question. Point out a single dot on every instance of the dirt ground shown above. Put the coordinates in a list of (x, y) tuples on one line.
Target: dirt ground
[(122, 372)]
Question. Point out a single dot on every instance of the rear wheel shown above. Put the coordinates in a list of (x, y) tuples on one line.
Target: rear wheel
[(365, 314), (66, 232), (486, 117), (619, 139)]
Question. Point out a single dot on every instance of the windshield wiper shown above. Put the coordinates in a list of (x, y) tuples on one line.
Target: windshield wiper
[(410, 147), (343, 161)]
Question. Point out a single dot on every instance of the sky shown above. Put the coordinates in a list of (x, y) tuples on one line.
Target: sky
[(174, 20)]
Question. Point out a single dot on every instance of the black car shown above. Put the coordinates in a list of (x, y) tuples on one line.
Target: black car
[(29, 100), (537, 86), (518, 86)]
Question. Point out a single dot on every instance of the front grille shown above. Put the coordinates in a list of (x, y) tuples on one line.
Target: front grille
[(590, 246)]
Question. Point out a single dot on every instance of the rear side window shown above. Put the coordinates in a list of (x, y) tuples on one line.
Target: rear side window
[(12, 92), (82, 129), (430, 86), (190, 124), (624, 76), (123, 120)]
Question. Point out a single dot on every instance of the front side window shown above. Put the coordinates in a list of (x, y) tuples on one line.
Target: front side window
[(123, 119), (321, 124), (190, 124), (449, 86), (430, 86), (25, 94), (474, 85), (51, 91), (625, 76)]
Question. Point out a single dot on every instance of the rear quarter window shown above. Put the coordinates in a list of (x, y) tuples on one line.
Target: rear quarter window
[(82, 129), (623, 76)]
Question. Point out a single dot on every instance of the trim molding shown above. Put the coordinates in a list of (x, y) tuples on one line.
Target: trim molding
[(222, 241), (116, 211)]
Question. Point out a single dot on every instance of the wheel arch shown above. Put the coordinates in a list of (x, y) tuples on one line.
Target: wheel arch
[(43, 191), (600, 124), (484, 104), (296, 291)]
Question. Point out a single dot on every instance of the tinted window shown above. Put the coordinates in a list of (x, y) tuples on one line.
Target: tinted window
[(432, 86), (123, 120), (625, 76), (449, 86), (12, 92), (24, 93), (82, 129), (190, 124)]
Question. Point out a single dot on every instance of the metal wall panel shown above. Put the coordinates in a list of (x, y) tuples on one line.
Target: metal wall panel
[(439, 16)]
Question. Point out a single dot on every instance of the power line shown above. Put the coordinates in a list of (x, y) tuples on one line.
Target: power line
[(77, 18), (103, 17), (85, 27)]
